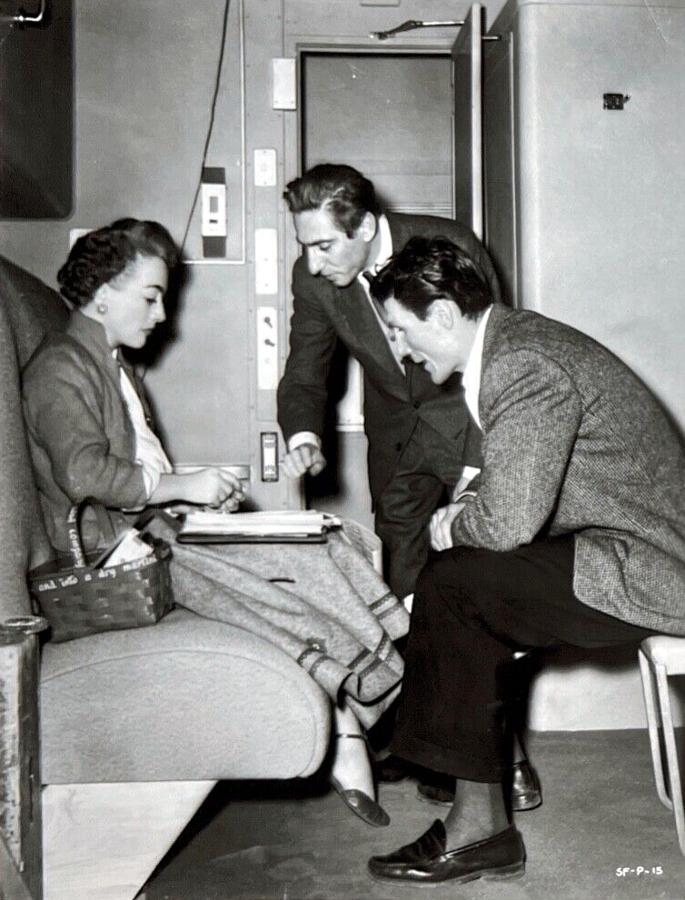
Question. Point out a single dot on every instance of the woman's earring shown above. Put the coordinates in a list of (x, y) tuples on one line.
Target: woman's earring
[(102, 308)]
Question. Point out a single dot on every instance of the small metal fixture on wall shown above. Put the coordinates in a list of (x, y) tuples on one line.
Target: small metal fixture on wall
[(615, 101)]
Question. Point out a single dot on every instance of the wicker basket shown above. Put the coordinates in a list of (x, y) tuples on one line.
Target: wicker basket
[(78, 598)]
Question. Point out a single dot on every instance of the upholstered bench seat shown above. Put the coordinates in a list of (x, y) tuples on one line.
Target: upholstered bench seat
[(132, 698)]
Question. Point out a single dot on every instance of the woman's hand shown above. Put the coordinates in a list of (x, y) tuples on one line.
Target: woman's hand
[(210, 486), (213, 487)]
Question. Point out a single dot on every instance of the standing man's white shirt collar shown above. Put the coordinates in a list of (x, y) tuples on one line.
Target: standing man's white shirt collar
[(384, 251), (472, 373), (384, 254)]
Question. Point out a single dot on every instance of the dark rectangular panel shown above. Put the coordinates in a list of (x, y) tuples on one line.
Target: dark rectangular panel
[(36, 112)]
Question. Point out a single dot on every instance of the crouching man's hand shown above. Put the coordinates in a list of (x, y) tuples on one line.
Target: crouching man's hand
[(441, 525)]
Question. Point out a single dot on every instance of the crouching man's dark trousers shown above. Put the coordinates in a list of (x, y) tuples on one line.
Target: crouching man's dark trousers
[(473, 609)]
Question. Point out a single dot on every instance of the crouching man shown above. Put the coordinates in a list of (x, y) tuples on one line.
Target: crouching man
[(574, 535)]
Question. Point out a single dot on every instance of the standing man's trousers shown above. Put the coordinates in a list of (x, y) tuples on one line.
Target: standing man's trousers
[(473, 609)]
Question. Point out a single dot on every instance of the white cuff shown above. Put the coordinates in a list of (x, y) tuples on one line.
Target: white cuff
[(465, 479), (408, 602), (303, 437)]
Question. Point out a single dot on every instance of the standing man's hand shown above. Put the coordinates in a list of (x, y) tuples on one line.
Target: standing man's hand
[(305, 458), (441, 526)]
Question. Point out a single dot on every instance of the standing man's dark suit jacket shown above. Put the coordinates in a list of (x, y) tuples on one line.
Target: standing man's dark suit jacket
[(393, 402)]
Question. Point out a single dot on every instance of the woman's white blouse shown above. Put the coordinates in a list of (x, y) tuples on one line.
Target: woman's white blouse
[(149, 451)]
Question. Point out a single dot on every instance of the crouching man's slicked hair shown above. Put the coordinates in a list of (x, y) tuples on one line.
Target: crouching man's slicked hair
[(428, 269)]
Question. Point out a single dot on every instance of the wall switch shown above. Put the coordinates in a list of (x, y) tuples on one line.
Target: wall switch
[(284, 83), (266, 260), (269, 441), (213, 210), (265, 167), (267, 348)]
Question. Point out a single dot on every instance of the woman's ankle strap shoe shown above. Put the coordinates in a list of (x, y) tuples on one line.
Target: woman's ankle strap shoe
[(362, 805)]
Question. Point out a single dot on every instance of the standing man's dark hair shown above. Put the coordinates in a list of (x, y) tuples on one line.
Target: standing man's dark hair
[(344, 191)]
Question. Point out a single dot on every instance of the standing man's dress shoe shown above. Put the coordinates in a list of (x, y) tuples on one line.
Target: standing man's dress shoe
[(427, 861), (525, 791)]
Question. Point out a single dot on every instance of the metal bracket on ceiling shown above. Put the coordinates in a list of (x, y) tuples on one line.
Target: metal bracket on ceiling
[(410, 25)]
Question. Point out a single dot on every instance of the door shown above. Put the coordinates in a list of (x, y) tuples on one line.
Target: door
[(468, 121), (389, 115)]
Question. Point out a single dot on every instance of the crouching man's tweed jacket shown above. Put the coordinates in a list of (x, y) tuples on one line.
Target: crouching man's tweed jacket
[(574, 442)]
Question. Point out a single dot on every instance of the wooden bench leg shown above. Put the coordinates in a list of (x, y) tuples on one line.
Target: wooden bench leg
[(20, 828), (104, 840)]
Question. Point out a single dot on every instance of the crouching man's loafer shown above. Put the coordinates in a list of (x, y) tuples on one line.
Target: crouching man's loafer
[(426, 861)]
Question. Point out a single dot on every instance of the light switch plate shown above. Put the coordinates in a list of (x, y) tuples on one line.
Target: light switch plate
[(265, 167), (284, 83)]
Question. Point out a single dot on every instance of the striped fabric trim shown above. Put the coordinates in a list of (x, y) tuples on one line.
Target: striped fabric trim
[(382, 601)]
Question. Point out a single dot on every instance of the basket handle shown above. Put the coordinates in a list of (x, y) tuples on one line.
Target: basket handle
[(153, 512), (78, 554)]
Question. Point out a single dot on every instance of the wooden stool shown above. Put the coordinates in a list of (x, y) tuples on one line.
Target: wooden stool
[(661, 656)]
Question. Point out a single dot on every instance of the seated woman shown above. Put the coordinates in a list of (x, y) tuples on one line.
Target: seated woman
[(90, 435)]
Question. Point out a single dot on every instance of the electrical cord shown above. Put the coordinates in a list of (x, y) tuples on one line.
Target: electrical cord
[(212, 114)]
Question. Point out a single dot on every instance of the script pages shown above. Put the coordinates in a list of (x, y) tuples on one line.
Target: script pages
[(277, 526)]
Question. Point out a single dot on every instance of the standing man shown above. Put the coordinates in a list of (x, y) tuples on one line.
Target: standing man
[(575, 535), (418, 431)]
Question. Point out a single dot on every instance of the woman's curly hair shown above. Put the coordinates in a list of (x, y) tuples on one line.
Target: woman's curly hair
[(98, 257)]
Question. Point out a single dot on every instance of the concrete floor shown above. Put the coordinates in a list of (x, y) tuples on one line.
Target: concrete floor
[(296, 841)]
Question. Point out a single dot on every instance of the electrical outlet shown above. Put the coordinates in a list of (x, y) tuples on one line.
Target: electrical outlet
[(267, 348)]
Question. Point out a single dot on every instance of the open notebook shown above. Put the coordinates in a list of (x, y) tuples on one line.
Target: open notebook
[(277, 526)]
